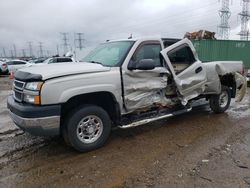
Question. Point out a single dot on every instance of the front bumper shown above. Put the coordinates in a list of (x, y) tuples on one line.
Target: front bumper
[(37, 120)]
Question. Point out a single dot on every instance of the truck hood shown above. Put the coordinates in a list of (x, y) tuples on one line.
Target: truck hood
[(57, 70)]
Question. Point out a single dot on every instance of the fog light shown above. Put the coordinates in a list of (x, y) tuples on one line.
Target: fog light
[(31, 99)]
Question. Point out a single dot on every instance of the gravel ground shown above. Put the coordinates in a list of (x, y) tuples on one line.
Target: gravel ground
[(197, 149)]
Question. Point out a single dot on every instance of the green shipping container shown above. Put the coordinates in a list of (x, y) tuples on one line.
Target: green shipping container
[(223, 50)]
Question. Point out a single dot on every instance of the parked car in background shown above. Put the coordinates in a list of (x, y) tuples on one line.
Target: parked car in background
[(3, 68), (15, 65), (38, 60), (248, 79), (53, 60), (3, 59)]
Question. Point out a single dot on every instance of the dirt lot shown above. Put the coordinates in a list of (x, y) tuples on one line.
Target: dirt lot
[(197, 149)]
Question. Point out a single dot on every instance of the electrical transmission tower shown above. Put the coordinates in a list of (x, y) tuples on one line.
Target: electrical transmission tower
[(11, 54), (79, 40), (23, 53), (41, 49), (244, 17), (14, 48), (30, 49), (224, 13), (65, 42), (4, 53)]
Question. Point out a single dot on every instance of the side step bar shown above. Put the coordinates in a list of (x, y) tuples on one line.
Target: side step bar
[(149, 120)]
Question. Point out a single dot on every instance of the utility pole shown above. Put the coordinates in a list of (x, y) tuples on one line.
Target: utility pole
[(244, 17), (23, 52), (57, 50), (11, 54), (79, 40), (30, 49), (4, 53), (48, 53), (224, 13), (65, 42), (41, 49), (14, 47)]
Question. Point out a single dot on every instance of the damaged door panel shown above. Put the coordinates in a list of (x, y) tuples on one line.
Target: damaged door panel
[(145, 88), (188, 72)]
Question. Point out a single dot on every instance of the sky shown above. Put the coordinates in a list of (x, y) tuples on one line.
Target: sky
[(23, 21)]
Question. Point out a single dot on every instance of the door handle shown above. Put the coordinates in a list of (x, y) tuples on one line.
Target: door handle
[(199, 69)]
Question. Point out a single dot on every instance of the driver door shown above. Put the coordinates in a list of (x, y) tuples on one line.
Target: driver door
[(188, 72), (143, 88)]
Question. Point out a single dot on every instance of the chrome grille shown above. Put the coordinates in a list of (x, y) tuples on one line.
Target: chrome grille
[(18, 90)]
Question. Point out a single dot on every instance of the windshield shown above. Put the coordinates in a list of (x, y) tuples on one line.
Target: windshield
[(109, 54)]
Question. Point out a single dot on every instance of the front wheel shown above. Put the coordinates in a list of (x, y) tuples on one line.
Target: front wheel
[(88, 128), (220, 103)]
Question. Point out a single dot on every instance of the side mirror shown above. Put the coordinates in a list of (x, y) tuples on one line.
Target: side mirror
[(144, 64)]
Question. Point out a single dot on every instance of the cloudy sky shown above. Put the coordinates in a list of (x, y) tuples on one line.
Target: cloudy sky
[(43, 21)]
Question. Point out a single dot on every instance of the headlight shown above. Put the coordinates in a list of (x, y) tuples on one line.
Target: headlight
[(32, 92), (34, 86)]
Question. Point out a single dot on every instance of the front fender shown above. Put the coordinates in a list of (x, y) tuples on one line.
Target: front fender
[(67, 94)]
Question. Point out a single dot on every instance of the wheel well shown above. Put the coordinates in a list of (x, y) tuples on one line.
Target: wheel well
[(229, 80), (105, 100)]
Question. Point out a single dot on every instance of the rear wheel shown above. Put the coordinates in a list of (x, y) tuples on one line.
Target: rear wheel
[(88, 128), (220, 103)]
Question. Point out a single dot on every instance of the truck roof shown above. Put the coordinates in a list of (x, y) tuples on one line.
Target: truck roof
[(166, 41)]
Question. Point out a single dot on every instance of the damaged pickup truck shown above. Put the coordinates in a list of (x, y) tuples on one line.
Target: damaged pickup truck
[(122, 83)]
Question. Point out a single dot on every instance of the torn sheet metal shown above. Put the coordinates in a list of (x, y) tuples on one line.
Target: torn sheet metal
[(213, 84), (145, 88), (220, 68), (241, 86), (139, 100)]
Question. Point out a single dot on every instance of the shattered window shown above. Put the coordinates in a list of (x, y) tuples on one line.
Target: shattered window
[(181, 58)]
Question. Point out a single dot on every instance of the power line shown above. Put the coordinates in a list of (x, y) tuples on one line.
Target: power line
[(192, 23), (163, 19), (177, 20)]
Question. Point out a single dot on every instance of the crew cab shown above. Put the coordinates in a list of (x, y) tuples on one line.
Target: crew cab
[(121, 83)]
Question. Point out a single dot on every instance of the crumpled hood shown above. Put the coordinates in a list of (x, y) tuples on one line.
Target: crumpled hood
[(45, 72)]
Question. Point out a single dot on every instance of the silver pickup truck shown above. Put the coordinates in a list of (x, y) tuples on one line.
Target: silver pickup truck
[(122, 83)]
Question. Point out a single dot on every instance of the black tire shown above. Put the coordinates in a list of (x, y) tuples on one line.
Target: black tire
[(75, 124), (216, 103)]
